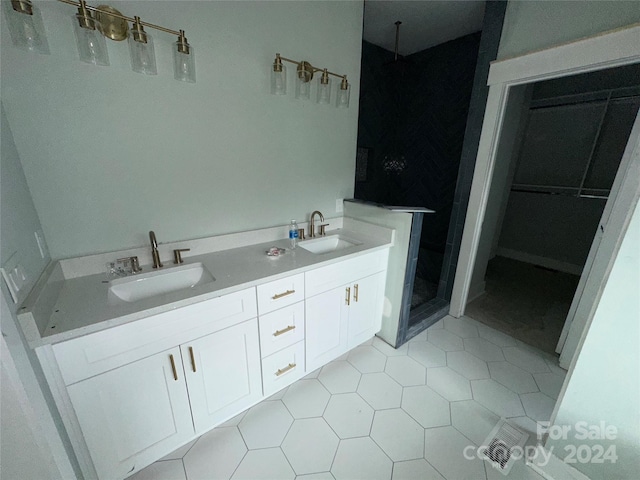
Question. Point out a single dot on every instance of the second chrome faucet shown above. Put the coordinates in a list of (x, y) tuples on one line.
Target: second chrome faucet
[(154, 250), (312, 227)]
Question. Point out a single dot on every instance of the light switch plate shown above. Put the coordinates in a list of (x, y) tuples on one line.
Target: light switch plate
[(339, 205)]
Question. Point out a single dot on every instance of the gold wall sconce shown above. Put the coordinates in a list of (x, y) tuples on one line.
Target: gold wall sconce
[(304, 74), (91, 26)]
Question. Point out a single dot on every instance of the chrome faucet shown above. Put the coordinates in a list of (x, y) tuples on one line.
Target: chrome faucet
[(312, 230), (154, 250)]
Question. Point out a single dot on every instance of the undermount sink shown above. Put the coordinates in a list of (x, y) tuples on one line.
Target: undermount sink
[(328, 244), (159, 282)]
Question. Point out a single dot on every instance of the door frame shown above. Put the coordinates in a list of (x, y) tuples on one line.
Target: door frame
[(610, 49)]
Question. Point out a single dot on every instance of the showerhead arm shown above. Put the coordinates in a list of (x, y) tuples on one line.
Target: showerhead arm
[(398, 23)]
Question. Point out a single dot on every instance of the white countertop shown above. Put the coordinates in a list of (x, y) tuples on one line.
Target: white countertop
[(83, 305)]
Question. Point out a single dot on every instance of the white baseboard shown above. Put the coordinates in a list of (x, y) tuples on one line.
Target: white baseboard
[(545, 463), (542, 261)]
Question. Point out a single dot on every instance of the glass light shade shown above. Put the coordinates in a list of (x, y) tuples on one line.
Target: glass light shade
[(279, 81), (184, 64), (303, 89), (342, 97), (324, 91), (27, 31), (143, 56), (92, 47)]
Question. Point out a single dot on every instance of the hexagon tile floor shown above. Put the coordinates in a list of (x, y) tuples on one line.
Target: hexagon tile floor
[(380, 413)]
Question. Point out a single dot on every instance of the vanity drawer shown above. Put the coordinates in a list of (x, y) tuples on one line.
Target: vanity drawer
[(282, 368), (280, 293), (99, 352), (281, 328), (335, 275)]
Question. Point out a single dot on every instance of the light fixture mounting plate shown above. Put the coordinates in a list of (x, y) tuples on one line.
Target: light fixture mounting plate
[(305, 71), (111, 26)]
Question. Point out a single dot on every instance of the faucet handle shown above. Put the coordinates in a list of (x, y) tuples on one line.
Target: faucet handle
[(301, 234), (177, 255), (322, 227)]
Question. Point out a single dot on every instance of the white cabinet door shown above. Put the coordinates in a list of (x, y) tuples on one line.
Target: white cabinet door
[(223, 373), (326, 326), (133, 415), (365, 309)]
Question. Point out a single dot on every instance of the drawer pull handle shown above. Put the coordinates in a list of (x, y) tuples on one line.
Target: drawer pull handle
[(173, 367), (355, 292), (348, 297), (277, 333), (280, 295), (193, 359), (280, 371)]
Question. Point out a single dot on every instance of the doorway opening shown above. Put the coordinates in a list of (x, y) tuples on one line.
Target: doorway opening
[(572, 135)]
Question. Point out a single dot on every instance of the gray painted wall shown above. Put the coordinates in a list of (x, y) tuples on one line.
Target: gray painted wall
[(110, 154), (533, 25)]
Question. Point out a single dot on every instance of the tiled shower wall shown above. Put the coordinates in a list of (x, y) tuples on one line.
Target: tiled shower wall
[(429, 107), (417, 107)]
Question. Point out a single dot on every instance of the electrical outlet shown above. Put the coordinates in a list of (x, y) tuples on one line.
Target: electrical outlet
[(339, 205)]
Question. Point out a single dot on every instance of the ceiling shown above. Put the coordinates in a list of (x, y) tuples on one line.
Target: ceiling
[(424, 23)]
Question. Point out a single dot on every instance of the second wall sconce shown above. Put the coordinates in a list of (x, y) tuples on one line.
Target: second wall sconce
[(304, 75), (91, 25)]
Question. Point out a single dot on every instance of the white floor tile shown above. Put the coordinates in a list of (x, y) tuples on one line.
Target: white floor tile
[(406, 371), (265, 425), (538, 406), (483, 349), (399, 436), (512, 377), (415, 470), (549, 383), (361, 458), (306, 398), (216, 455), (316, 476), (182, 451), (444, 449), (473, 420), (449, 384), (462, 327), (380, 391), (310, 446), (427, 354), (367, 359), (552, 363), (233, 422), (349, 415), (438, 324), (526, 359), (426, 407), (387, 349), (313, 374), (165, 470), (339, 377), (264, 464), (467, 365), (421, 337), (445, 340), (496, 337), (497, 398)]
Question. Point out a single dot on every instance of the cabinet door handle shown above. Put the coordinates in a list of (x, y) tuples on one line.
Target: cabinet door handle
[(280, 295), (173, 367), (280, 371), (355, 292), (277, 333), (193, 359), (348, 297)]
